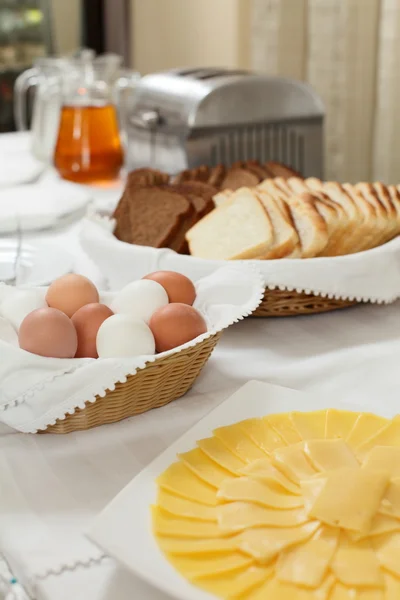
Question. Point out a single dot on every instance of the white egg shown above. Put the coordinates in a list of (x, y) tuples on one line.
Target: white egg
[(140, 299), (121, 336), (16, 307)]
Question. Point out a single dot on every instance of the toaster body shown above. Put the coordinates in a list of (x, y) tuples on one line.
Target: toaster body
[(189, 117)]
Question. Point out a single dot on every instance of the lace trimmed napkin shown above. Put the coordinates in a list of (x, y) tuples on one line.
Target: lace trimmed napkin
[(370, 276), (36, 391)]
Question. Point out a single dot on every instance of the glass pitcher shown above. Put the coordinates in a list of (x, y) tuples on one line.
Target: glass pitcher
[(88, 147)]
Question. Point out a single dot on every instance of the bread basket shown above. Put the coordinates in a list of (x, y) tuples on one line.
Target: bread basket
[(286, 303)]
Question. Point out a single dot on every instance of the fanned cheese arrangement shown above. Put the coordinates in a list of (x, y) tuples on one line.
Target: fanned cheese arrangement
[(291, 506)]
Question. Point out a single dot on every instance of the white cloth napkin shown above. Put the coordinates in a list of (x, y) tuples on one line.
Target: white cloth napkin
[(41, 205), (17, 165), (36, 391), (367, 276)]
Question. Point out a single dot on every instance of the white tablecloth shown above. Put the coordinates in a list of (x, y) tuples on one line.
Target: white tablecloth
[(352, 355)]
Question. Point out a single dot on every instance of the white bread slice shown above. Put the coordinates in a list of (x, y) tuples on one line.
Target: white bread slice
[(286, 238), (383, 218), (365, 237), (310, 225), (238, 229), (394, 192), (222, 196), (386, 199), (331, 212)]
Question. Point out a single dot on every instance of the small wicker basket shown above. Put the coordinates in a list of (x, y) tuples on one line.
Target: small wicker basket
[(285, 303), (159, 383)]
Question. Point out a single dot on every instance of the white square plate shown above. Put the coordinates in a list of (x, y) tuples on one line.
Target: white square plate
[(124, 529)]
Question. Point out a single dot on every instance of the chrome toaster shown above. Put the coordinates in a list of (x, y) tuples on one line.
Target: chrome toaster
[(184, 118)]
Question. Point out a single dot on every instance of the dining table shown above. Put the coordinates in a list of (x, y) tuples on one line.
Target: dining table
[(53, 486)]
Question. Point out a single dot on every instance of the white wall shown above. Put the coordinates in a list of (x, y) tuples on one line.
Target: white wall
[(178, 33)]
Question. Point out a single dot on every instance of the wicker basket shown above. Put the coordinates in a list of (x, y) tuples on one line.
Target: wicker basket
[(284, 303), (157, 384)]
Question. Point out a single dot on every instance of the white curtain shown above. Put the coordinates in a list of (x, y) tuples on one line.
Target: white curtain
[(349, 51)]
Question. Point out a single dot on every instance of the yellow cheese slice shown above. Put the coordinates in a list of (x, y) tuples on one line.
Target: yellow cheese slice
[(390, 504), (342, 592), (262, 434), (184, 508), (179, 480), (245, 489), (265, 543), (384, 458), (355, 564), (366, 425), (217, 451), (236, 516), (350, 498), (293, 463), (387, 548), (392, 587), (278, 590), (307, 565), (194, 567), (188, 546), (339, 423), (237, 585), (326, 455), (309, 425), (282, 424), (205, 468), (166, 524), (264, 470), (387, 436), (311, 489), (380, 524), (239, 443)]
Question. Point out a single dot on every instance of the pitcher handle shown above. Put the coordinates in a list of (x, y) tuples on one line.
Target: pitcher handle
[(26, 80)]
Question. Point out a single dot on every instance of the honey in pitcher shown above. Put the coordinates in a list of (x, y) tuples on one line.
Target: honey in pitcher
[(88, 148)]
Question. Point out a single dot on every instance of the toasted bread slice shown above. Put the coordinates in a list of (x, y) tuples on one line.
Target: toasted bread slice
[(238, 229), (255, 167), (285, 239), (278, 169), (237, 177), (217, 175)]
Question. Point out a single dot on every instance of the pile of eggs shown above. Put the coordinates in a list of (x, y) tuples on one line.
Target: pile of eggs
[(151, 315)]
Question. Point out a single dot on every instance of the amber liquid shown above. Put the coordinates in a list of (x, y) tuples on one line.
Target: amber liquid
[(88, 148)]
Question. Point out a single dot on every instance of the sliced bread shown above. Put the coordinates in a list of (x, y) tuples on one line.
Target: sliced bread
[(237, 177), (310, 225), (383, 218), (238, 229), (277, 169), (286, 240)]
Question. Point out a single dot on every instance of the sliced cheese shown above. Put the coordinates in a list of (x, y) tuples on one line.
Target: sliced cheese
[(181, 481), (342, 592), (166, 524), (389, 435), (380, 524), (264, 470), (384, 458), (390, 504), (293, 463), (239, 443), (236, 585), (187, 546), (339, 423), (326, 455), (184, 508), (245, 489), (366, 425), (282, 424), (387, 548), (311, 489), (392, 587), (308, 564), (309, 425), (262, 434), (195, 567), (350, 498), (218, 452), (265, 543), (278, 590), (236, 516), (205, 468), (355, 564)]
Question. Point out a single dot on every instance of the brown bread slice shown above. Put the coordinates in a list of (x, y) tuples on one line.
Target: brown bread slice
[(217, 175), (201, 173), (157, 217), (201, 198), (145, 177), (278, 169), (237, 177), (255, 167)]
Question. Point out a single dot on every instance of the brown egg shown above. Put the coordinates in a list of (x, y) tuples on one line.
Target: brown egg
[(87, 321), (176, 324), (178, 287), (48, 332), (70, 292)]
